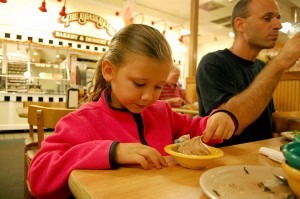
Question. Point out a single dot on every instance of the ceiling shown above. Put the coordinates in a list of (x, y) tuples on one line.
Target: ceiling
[(214, 24)]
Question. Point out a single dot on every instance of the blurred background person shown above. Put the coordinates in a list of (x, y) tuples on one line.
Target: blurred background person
[(172, 91)]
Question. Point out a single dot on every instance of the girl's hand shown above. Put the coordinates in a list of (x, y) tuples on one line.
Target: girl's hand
[(136, 153), (219, 125)]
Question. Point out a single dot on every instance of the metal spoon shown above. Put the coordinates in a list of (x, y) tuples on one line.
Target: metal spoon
[(281, 178)]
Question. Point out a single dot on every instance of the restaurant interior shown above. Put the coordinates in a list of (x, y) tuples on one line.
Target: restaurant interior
[(48, 56)]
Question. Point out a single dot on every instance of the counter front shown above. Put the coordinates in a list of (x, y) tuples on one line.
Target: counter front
[(9, 102)]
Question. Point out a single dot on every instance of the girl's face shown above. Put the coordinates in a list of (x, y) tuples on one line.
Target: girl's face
[(137, 83)]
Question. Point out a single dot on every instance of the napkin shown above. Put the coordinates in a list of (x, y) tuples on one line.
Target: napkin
[(272, 154)]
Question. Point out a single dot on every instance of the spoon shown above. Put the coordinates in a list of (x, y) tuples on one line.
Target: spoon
[(281, 178)]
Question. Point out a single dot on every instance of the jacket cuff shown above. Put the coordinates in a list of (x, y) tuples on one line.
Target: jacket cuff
[(112, 161)]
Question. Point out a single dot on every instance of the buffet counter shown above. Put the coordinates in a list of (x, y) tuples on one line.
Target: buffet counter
[(9, 102)]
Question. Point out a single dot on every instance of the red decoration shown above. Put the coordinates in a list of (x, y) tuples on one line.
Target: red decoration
[(178, 26), (63, 10), (3, 1), (161, 20), (59, 0), (43, 7), (181, 39)]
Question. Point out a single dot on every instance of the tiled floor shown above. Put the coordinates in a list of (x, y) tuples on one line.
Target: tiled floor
[(18, 135)]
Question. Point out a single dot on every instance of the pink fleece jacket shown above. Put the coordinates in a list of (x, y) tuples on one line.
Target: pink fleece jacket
[(82, 140)]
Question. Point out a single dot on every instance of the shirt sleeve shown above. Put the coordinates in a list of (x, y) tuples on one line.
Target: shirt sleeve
[(215, 84)]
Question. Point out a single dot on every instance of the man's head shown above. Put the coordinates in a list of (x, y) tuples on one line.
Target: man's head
[(239, 10), (257, 22)]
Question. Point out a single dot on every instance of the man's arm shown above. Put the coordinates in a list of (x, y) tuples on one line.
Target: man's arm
[(250, 103)]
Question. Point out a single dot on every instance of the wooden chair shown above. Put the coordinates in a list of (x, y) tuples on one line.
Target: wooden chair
[(285, 121), (26, 104), (41, 117), (287, 93)]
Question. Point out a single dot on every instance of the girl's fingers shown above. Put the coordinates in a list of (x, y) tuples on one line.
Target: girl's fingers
[(218, 126), (229, 131), (153, 156), (209, 131), (141, 161)]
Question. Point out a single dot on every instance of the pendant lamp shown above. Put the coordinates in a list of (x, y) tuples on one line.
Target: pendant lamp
[(181, 39), (43, 7), (63, 10)]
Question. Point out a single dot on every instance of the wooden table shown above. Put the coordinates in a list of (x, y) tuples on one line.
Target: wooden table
[(186, 111), (171, 182)]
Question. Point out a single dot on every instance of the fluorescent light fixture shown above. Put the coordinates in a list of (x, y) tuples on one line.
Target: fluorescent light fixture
[(27, 74), (185, 31), (42, 75)]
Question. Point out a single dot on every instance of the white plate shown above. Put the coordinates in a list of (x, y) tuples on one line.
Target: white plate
[(288, 134), (236, 182)]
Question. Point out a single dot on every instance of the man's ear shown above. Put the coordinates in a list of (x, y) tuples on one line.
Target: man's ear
[(107, 70), (239, 24)]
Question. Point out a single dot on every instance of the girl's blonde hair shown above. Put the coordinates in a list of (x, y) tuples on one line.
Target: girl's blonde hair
[(134, 38)]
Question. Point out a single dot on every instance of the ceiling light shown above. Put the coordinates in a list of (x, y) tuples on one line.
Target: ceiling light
[(57, 55), (285, 27), (27, 74), (42, 75), (183, 48), (185, 31), (35, 52)]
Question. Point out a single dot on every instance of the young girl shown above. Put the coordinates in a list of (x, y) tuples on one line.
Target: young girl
[(123, 122)]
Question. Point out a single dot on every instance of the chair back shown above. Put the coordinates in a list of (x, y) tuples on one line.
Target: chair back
[(32, 115), (47, 104), (285, 121), (45, 117), (287, 93), (41, 117)]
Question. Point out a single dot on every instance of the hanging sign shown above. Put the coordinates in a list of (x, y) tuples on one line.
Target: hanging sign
[(83, 17), (80, 38)]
